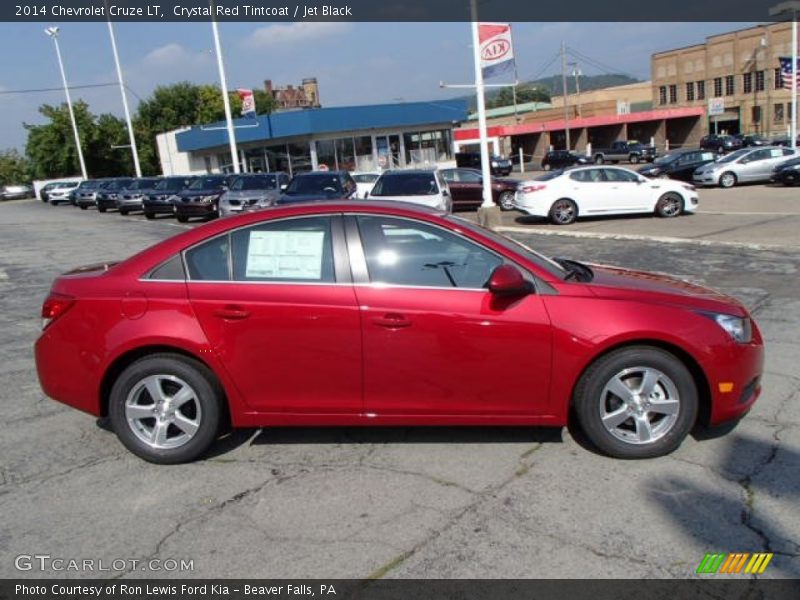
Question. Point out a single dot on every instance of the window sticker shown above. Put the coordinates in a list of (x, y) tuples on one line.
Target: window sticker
[(285, 254)]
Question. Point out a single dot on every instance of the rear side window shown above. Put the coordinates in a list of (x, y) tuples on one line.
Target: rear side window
[(209, 260), (172, 270), (294, 250)]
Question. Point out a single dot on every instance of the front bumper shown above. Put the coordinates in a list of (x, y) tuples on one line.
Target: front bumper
[(705, 179), (195, 209), (742, 365), (130, 203), (106, 202)]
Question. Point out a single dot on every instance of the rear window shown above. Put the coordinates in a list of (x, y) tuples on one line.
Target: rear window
[(257, 182), (205, 183), (406, 184), (314, 184)]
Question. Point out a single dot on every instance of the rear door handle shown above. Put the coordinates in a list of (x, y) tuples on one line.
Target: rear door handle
[(232, 313), (392, 321)]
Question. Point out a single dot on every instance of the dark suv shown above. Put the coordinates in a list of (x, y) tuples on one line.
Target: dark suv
[(108, 194), (201, 197), (559, 159), (472, 160), (159, 200), (720, 144), (319, 185)]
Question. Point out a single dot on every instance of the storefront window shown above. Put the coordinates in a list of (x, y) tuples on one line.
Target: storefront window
[(326, 155), (300, 157), (428, 147), (364, 159), (277, 158), (345, 154)]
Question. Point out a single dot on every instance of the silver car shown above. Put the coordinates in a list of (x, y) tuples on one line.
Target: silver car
[(62, 192), (252, 192), (742, 166), (16, 192)]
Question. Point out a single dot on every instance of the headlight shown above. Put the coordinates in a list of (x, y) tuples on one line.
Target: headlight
[(795, 167), (739, 328), (494, 163)]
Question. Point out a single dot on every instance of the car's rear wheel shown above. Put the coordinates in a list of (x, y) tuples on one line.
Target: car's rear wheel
[(83, 206), (634, 158), (637, 402), (599, 160), (727, 180), (563, 212), (149, 215), (166, 408), (101, 208), (182, 219), (123, 211), (669, 205), (506, 200)]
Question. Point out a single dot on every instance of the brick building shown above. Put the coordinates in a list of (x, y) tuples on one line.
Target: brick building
[(740, 67), (288, 97)]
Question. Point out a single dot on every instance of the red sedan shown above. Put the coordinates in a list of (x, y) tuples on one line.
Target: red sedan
[(370, 313)]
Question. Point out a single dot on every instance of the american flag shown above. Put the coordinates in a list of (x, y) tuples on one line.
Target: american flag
[(786, 72)]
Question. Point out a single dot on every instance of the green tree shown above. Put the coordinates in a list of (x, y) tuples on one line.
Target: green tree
[(505, 97), (51, 146), (14, 168)]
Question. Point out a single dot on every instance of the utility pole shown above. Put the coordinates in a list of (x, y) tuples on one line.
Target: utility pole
[(486, 173), (226, 101), (52, 32), (564, 91), (137, 167), (576, 73)]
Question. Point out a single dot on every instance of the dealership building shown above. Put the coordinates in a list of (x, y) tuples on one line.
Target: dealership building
[(356, 138)]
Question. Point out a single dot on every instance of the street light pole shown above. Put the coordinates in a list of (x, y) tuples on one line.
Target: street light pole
[(564, 92), (137, 167), (225, 99), (482, 135), (52, 32)]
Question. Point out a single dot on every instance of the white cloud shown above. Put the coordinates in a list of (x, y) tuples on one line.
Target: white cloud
[(175, 56), (290, 34)]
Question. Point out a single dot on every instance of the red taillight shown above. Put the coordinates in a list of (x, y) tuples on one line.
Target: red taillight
[(55, 306), (527, 189)]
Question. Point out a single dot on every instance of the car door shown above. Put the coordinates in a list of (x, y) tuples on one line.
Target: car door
[(626, 192), (465, 186), (278, 308), (436, 342), (587, 187), (776, 157), (753, 166)]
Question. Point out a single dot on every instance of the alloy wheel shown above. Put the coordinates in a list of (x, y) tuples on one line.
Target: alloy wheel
[(163, 411)]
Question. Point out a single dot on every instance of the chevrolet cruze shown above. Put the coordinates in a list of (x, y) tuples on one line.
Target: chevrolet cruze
[(380, 313)]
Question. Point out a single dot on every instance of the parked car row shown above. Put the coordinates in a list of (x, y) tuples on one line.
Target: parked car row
[(16, 192)]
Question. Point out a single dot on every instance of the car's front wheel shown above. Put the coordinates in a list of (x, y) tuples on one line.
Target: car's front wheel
[(166, 408), (101, 208), (636, 402), (727, 180), (506, 200), (669, 205), (563, 212), (182, 219)]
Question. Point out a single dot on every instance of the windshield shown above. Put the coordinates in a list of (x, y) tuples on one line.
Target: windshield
[(550, 175), (89, 185), (405, 184), (259, 182), (117, 184), (667, 158), (142, 184), (314, 184), (170, 185), (544, 262), (366, 178), (733, 156), (207, 183)]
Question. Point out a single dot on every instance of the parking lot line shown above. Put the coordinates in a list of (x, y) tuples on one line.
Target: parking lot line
[(641, 238)]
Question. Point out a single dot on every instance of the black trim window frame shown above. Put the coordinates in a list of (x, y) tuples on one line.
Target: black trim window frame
[(341, 262)]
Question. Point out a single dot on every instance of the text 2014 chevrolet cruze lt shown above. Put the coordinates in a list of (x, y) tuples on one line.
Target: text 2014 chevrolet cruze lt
[(342, 313)]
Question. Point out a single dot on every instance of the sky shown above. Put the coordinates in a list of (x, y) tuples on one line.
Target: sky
[(355, 63)]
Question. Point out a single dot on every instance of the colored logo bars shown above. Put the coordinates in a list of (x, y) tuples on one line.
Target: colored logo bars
[(497, 53), (735, 562)]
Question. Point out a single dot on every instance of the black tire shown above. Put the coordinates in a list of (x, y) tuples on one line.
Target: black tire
[(634, 158), (206, 405), (149, 215), (669, 205), (506, 200), (727, 180), (123, 212), (101, 208), (563, 212), (592, 398), (182, 219), (599, 160), (83, 206)]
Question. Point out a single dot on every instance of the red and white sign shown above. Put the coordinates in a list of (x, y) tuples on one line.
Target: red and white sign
[(248, 102), (497, 51)]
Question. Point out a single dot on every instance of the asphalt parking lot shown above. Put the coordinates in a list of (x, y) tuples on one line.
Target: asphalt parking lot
[(414, 502)]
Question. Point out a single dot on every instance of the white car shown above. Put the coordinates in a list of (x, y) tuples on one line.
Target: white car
[(747, 165), (425, 187), (364, 182), (61, 192), (565, 195)]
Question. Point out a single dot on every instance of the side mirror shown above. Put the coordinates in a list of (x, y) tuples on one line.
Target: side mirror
[(507, 280)]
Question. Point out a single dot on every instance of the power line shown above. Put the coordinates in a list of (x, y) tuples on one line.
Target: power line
[(607, 69), (546, 66), (58, 89)]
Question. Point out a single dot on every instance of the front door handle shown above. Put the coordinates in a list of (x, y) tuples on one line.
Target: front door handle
[(392, 321), (232, 313)]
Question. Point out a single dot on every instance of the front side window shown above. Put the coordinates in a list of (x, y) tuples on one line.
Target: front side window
[(293, 250), (405, 252), (618, 175), (468, 177)]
